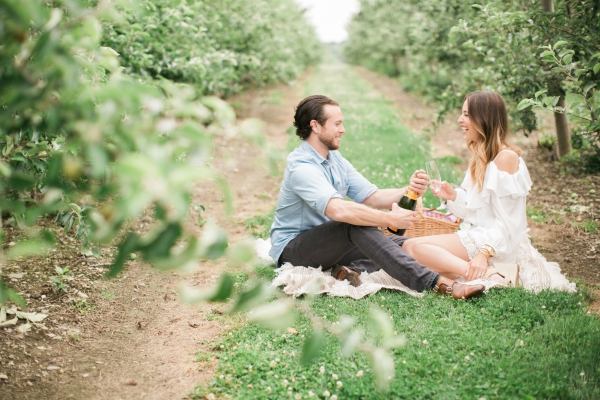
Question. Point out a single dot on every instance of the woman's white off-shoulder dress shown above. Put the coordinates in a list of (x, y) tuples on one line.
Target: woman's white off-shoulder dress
[(496, 216)]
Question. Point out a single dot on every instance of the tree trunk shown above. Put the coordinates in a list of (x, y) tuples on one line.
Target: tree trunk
[(548, 5), (563, 133)]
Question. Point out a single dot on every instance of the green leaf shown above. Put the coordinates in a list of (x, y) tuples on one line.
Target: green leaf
[(596, 68), (219, 293), (588, 86), (547, 53), (213, 241), (241, 253), (539, 92), (567, 59), (560, 43), (161, 246), (312, 346), (383, 368), (383, 322), (129, 245), (253, 296), (525, 103), (275, 315)]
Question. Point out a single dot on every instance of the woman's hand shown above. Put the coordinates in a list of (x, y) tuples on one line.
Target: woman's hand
[(446, 192), (418, 182), (477, 267)]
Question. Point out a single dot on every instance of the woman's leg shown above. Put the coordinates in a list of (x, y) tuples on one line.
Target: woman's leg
[(443, 254)]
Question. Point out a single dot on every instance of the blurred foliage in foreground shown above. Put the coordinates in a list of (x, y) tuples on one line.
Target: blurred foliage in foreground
[(446, 49), (87, 141)]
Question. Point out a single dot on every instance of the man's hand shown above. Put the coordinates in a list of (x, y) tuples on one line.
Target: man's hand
[(418, 182), (401, 218)]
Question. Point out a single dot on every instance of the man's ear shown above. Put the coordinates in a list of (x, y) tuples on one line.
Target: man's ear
[(314, 125)]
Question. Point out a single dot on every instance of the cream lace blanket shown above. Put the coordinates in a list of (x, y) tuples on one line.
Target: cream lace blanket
[(535, 274)]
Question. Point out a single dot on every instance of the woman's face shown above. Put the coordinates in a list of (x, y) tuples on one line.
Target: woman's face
[(469, 132)]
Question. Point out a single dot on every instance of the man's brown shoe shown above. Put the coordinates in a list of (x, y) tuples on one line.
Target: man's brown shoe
[(341, 273), (457, 290)]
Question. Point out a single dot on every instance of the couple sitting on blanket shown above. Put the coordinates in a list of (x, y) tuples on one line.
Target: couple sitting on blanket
[(316, 227)]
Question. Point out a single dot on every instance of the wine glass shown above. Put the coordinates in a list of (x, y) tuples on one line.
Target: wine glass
[(435, 181)]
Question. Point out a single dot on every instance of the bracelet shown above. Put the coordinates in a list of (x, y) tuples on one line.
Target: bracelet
[(487, 250)]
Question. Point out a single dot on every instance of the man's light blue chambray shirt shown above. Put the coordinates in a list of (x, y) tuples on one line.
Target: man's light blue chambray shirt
[(309, 182)]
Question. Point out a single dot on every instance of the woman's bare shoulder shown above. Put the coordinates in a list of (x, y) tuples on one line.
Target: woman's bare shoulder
[(507, 161)]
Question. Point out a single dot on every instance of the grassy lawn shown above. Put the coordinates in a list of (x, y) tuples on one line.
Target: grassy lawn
[(507, 344)]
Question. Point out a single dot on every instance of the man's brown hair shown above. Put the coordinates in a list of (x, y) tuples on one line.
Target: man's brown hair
[(308, 109)]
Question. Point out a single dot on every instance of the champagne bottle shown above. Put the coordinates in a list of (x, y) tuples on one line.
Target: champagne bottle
[(408, 202)]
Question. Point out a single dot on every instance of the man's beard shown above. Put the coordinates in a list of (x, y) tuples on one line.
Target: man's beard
[(330, 143)]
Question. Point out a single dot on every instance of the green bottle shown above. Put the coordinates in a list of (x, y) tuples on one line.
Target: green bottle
[(408, 202)]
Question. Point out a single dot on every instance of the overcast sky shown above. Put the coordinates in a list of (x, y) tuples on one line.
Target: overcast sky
[(330, 17)]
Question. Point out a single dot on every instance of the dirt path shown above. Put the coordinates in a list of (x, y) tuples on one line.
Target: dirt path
[(136, 340)]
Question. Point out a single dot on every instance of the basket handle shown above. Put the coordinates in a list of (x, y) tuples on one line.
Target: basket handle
[(420, 205)]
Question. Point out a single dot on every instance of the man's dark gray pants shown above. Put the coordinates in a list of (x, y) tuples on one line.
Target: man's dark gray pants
[(361, 248)]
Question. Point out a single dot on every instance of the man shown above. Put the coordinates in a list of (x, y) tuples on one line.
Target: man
[(314, 226)]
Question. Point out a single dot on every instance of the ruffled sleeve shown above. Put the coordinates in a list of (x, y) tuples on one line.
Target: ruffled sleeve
[(500, 184)]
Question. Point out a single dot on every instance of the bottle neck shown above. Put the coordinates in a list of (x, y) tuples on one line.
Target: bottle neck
[(411, 194)]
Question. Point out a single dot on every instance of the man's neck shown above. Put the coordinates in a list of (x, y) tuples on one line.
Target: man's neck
[(316, 144)]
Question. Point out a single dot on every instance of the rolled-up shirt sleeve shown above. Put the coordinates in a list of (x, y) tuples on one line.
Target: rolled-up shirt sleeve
[(309, 183), (359, 188)]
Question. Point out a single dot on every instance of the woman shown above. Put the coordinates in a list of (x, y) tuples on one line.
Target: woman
[(491, 199)]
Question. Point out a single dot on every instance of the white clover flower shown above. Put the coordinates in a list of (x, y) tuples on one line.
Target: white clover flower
[(293, 354), (273, 363), (403, 361), (230, 334), (467, 358), (311, 393), (582, 373), (285, 383), (221, 376), (298, 396), (326, 393), (211, 396), (276, 376), (222, 347), (425, 341), (334, 377), (339, 384), (250, 368), (360, 373), (382, 297), (521, 342), (334, 397), (321, 370), (249, 386), (544, 307), (268, 390)]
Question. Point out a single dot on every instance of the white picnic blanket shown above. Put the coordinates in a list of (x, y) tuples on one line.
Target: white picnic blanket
[(534, 271)]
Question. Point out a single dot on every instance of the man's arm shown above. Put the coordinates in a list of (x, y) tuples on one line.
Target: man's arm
[(383, 199), (359, 214)]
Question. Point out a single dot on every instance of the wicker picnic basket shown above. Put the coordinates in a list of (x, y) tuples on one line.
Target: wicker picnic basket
[(426, 226)]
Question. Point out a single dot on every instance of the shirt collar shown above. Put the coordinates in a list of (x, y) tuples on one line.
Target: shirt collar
[(315, 154)]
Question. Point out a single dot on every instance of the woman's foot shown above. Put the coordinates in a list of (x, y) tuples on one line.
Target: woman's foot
[(493, 275), (457, 290)]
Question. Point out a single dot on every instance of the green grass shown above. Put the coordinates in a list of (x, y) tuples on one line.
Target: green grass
[(507, 344)]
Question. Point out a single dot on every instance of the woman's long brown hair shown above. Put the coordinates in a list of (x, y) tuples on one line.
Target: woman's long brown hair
[(487, 112)]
